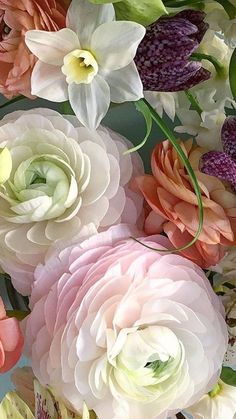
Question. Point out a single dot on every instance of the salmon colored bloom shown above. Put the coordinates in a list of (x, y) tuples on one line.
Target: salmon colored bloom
[(11, 340), (174, 208), (16, 18)]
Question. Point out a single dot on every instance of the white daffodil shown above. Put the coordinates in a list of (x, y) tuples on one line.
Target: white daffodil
[(220, 403), (90, 62)]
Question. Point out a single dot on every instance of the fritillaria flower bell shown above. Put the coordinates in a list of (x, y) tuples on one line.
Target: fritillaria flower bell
[(222, 164), (164, 56)]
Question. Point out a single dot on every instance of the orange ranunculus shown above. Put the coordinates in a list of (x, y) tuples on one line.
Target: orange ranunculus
[(16, 18), (11, 340), (174, 208)]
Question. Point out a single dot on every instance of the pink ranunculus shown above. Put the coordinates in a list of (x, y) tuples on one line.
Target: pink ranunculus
[(132, 332), (16, 18), (11, 340), (174, 208)]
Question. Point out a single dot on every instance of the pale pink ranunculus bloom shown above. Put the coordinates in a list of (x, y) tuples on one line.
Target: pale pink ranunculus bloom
[(16, 18), (66, 182), (11, 340), (174, 208), (125, 328)]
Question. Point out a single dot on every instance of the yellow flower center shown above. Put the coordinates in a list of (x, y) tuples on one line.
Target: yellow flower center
[(79, 66), (216, 390)]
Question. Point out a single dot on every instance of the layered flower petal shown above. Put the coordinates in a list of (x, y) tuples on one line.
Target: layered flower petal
[(66, 183), (124, 328), (171, 196)]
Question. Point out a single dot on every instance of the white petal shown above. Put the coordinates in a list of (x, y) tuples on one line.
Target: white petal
[(125, 84), (48, 82), (84, 17), (51, 47), (115, 43), (90, 102)]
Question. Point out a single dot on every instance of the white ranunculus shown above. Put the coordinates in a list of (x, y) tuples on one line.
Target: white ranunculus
[(66, 181), (220, 403), (90, 62)]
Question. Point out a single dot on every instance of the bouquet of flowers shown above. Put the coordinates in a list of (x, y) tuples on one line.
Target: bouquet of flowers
[(121, 281)]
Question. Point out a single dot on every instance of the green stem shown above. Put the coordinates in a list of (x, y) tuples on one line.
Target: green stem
[(220, 69), (181, 3), (10, 102), (18, 314), (229, 8), (168, 133), (194, 102)]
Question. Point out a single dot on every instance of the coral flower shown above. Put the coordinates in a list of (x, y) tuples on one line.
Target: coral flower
[(16, 18), (11, 340), (174, 209)]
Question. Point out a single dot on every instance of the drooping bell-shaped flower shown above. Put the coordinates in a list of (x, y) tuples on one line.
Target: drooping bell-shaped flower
[(164, 56), (222, 164)]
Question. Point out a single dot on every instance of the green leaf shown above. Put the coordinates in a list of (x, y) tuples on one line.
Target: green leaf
[(228, 376), (141, 11), (143, 108), (10, 102), (232, 74), (66, 109), (229, 8)]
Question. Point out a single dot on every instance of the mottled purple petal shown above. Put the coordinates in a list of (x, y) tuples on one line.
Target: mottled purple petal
[(163, 57), (228, 136), (196, 17), (220, 165)]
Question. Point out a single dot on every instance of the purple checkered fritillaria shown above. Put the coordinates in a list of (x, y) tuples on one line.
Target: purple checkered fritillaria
[(222, 164), (163, 57)]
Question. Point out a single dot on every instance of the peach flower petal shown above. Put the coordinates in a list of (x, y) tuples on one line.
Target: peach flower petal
[(170, 194)]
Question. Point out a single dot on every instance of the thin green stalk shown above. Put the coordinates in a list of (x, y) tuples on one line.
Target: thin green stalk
[(18, 314), (194, 102), (169, 134), (181, 3), (220, 69), (10, 102)]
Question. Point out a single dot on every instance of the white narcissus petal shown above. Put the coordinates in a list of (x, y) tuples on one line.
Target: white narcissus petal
[(84, 17), (125, 84), (48, 82), (115, 43), (51, 47), (90, 102)]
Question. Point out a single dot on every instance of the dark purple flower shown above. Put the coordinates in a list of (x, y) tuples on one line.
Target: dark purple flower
[(163, 57), (222, 164)]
